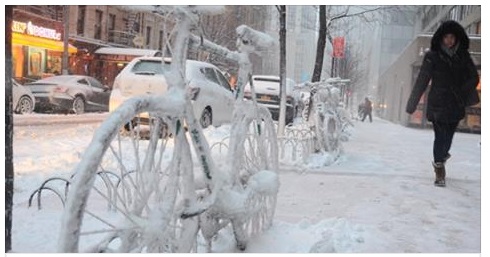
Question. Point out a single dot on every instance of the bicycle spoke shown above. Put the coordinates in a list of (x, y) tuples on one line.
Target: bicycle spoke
[(99, 218), (121, 211)]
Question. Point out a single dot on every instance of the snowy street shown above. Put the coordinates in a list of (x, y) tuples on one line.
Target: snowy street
[(379, 197), (243, 129)]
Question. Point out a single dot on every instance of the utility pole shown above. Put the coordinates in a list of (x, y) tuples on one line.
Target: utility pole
[(66, 32), (282, 70)]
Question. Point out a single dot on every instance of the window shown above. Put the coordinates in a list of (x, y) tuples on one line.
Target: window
[(98, 24), (454, 13), (148, 35), (150, 67), (83, 82), (95, 83), (160, 40), (81, 19), (222, 80), (428, 16), (210, 75), (111, 27), (112, 21)]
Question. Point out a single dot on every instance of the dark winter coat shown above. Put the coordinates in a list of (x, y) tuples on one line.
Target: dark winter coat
[(368, 106), (453, 77)]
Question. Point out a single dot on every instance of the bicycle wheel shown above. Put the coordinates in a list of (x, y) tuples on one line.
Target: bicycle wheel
[(332, 133), (254, 158), (128, 191)]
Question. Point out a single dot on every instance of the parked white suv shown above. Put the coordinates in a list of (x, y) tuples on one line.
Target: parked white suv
[(267, 93), (144, 75)]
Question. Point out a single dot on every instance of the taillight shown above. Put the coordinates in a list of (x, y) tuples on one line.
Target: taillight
[(60, 89)]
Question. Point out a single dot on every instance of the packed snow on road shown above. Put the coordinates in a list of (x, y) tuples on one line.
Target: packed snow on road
[(378, 197)]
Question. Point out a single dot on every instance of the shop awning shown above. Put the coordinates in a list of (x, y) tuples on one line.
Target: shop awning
[(53, 45)]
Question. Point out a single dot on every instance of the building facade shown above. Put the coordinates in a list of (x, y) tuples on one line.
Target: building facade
[(301, 39), (38, 30), (92, 27), (397, 81), (37, 44)]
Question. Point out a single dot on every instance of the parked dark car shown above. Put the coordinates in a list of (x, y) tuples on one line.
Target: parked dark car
[(70, 93)]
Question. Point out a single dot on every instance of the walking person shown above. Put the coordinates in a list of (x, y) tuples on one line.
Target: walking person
[(368, 109), (454, 78), (360, 111)]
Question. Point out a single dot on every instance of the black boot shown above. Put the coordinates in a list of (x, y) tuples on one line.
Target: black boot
[(440, 171)]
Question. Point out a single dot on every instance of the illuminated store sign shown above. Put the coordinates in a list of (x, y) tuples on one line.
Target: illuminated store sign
[(30, 29)]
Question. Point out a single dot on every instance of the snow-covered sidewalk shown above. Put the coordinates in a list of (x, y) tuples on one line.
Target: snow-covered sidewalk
[(384, 186), (378, 198)]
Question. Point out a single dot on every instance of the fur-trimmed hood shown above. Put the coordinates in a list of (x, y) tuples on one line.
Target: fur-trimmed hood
[(450, 27)]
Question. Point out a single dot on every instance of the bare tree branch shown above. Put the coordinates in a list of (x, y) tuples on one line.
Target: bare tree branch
[(345, 15)]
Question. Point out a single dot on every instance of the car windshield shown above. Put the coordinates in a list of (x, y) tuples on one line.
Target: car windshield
[(150, 67)]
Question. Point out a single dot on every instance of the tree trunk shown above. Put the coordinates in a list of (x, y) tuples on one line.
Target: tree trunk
[(282, 72), (320, 46), (9, 167)]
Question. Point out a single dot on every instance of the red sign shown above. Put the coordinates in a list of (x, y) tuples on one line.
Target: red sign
[(338, 47)]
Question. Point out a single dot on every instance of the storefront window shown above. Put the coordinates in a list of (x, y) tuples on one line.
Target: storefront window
[(35, 62), (37, 47), (18, 61), (53, 62)]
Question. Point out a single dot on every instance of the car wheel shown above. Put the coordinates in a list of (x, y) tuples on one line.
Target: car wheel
[(78, 105), (206, 118), (25, 105)]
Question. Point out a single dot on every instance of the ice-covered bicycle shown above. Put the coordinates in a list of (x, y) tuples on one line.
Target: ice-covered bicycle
[(164, 193), (326, 117)]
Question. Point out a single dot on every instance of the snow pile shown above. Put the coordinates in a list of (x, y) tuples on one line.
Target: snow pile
[(264, 182), (216, 134), (319, 160), (338, 236), (326, 236)]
